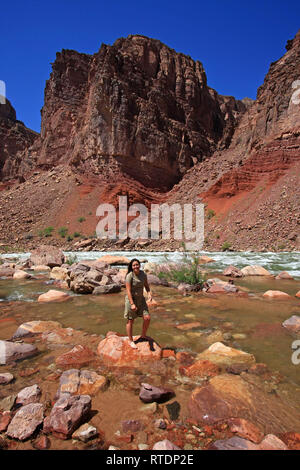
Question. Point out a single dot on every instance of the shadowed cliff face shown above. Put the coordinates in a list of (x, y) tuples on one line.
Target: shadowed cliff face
[(253, 186), (138, 107), (14, 138)]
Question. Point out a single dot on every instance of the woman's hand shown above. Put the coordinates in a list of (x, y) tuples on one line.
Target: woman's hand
[(133, 307)]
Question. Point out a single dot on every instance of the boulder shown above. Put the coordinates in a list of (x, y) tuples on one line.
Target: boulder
[(40, 267), (85, 433), (276, 294), (292, 324), (205, 259), (150, 393), (5, 419), (230, 396), (217, 286), (67, 414), (53, 296), (255, 271), (26, 421), (34, 328), (47, 255), (59, 273), (270, 442), (19, 274), (150, 268), (232, 271), (11, 352), (201, 369), (29, 395), (42, 443), (81, 382), (284, 275), (165, 445), (114, 260), (78, 356), (6, 271), (245, 429), (116, 350), (223, 355), (298, 294), (132, 425), (85, 276), (6, 378), (107, 289)]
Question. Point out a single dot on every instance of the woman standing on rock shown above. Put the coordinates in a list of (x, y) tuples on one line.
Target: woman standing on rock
[(135, 302)]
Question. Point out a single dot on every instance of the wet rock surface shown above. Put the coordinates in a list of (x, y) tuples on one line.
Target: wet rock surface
[(26, 421)]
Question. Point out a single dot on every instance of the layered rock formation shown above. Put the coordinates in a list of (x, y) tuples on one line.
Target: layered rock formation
[(14, 138)]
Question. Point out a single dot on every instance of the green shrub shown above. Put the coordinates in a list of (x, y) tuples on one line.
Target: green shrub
[(210, 214), (72, 259), (69, 238), (226, 246), (81, 219), (63, 232), (187, 271), (48, 231), (76, 234)]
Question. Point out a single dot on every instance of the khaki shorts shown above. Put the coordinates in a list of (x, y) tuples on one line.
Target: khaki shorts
[(142, 310)]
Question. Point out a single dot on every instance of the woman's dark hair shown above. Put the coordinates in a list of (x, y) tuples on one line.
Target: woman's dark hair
[(129, 270)]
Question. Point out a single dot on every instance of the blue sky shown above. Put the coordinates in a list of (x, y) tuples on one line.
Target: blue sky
[(235, 40)]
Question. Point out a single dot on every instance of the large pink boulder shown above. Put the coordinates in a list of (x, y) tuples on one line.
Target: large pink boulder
[(116, 350), (53, 296), (276, 294)]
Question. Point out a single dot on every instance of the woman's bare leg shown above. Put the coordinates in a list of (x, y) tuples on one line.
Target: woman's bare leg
[(146, 324), (129, 326)]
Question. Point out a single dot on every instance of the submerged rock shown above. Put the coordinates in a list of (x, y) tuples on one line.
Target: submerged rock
[(116, 350), (78, 356), (165, 445), (29, 395), (292, 324), (11, 352), (230, 396), (85, 433), (35, 327), (201, 369), (26, 421), (150, 393), (6, 378), (19, 274)]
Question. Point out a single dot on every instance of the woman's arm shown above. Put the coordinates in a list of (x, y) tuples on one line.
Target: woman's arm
[(146, 285)]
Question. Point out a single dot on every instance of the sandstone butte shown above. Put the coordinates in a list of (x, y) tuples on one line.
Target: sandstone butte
[(139, 118)]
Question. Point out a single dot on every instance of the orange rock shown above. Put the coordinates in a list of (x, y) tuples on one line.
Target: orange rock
[(298, 294), (168, 353), (116, 350), (276, 294), (184, 358), (78, 356), (245, 429), (291, 439), (202, 369), (53, 296)]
